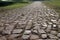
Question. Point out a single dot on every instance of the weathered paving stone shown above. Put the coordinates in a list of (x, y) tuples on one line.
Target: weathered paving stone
[(16, 21), (45, 25), (58, 35), (27, 32), (29, 25), (58, 20), (13, 36), (6, 32), (54, 21), (12, 39), (8, 29), (50, 39), (41, 31), (25, 37), (18, 25), (33, 37), (59, 26), (3, 38), (54, 32), (44, 35), (58, 39), (35, 31), (52, 14), (54, 26), (37, 25), (39, 39), (49, 26), (48, 29), (15, 31), (35, 28), (21, 25), (50, 23), (52, 36), (1, 29), (1, 24)]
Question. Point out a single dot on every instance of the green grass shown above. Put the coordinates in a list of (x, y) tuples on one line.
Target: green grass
[(55, 4), (14, 6)]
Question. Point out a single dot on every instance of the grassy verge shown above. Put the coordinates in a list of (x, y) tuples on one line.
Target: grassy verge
[(14, 6), (55, 4)]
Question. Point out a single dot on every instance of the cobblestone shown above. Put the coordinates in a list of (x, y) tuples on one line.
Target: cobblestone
[(44, 35), (33, 22), (33, 37), (27, 32), (15, 31)]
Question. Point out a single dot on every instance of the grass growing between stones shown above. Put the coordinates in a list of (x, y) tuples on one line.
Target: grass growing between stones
[(55, 4)]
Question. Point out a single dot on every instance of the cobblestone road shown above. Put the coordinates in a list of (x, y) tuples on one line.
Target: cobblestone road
[(33, 22)]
